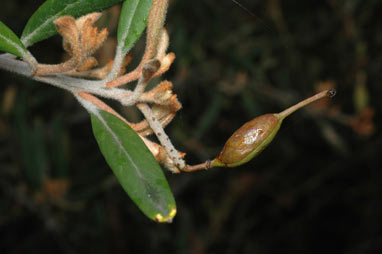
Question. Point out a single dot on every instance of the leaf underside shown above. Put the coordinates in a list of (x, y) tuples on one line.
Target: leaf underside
[(134, 166), (132, 21), (9, 42), (40, 26)]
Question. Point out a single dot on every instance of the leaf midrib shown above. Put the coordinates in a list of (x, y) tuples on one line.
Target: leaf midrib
[(118, 141), (17, 46), (123, 39), (49, 20)]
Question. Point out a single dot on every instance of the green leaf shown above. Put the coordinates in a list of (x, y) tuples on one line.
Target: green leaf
[(134, 166), (9, 42), (132, 21), (40, 26)]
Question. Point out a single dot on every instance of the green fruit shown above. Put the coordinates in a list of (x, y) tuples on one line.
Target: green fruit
[(251, 138), (255, 135), (248, 141)]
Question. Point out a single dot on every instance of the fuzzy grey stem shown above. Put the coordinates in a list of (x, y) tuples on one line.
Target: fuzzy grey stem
[(65, 82), (148, 70), (161, 135), (33, 64), (117, 64)]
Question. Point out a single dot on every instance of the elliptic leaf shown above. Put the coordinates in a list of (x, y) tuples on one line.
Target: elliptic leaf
[(134, 166), (40, 26), (9, 42), (132, 21)]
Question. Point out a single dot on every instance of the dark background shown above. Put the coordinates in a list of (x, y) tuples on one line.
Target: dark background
[(316, 189)]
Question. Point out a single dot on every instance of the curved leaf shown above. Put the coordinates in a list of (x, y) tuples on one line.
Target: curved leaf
[(134, 166), (40, 26), (9, 42), (132, 21)]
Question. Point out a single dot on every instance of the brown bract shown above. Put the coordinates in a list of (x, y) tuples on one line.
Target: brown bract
[(81, 40)]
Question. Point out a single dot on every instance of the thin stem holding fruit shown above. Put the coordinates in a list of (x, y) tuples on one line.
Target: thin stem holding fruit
[(202, 166), (327, 93), (262, 124)]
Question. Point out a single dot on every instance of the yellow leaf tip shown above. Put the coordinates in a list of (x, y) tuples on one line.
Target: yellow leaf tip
[(160, 218), (172, 212)]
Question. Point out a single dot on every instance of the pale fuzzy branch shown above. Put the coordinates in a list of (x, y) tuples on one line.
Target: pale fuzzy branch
[(161, 135), (164, 116), (118, 67), (31, 60), (75, 84), (163, 44), (148, 70), (155, 24), (161, 155), (64, 82)]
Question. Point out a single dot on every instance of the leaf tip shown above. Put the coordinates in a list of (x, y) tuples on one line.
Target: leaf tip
[(172, 212), (160, 218)]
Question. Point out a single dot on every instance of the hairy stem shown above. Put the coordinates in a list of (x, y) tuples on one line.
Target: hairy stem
[(161, 135), (64, 82)]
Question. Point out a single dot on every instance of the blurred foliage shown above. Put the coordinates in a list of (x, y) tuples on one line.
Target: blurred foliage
[(316, 189)]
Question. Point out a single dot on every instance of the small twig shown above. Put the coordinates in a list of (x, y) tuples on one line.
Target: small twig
[(202, 166), (161, 135), (148, 70)]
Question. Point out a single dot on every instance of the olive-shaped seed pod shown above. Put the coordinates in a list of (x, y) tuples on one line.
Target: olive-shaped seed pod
[(250, 139)]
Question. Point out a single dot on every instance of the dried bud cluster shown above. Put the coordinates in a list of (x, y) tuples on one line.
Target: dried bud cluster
[(81, 40)]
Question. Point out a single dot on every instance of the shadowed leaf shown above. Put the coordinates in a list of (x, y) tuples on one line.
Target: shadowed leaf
[(132, 22), (40, 26), (134, 166), (9, 42)]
